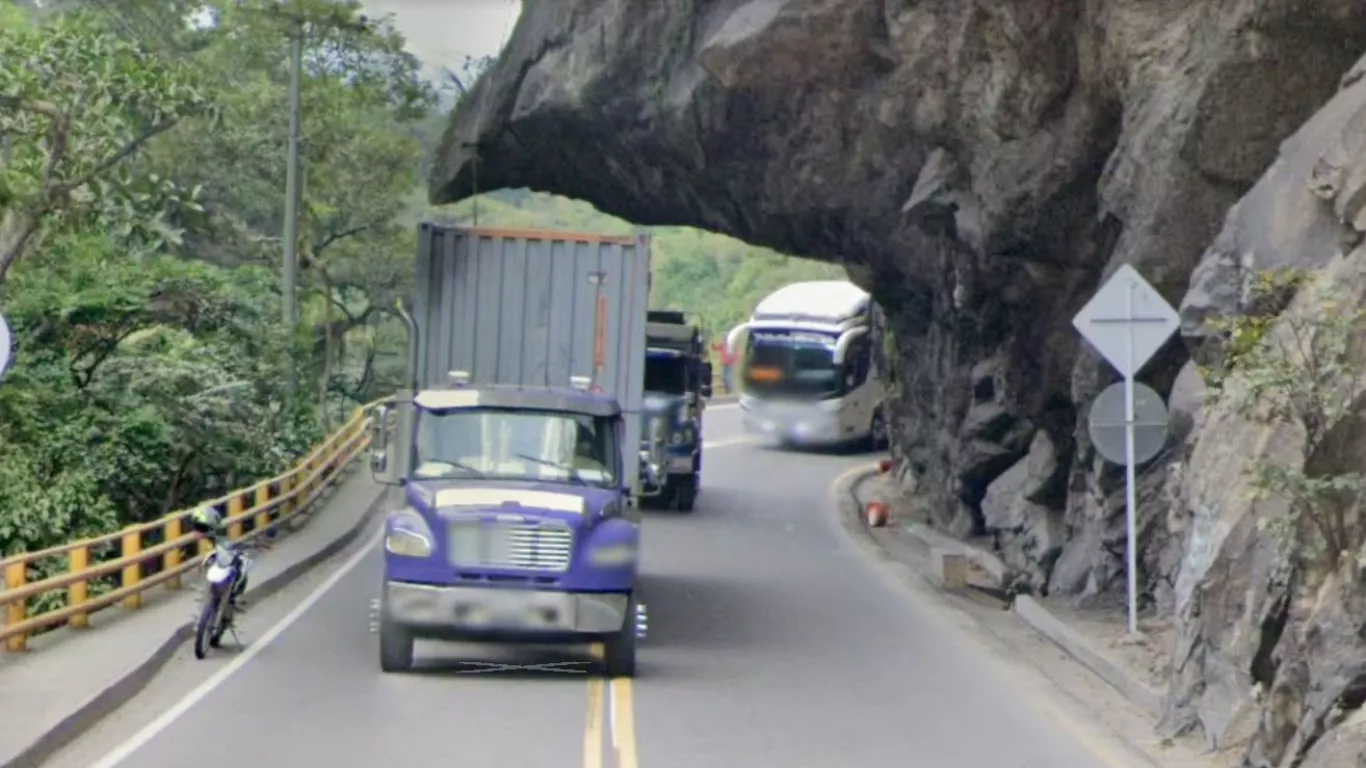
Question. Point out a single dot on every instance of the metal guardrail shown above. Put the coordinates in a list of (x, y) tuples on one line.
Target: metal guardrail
[(155, 553)]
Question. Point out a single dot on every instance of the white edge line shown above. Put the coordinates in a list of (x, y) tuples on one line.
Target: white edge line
[(721, 407), (168, 718), (724, 443)]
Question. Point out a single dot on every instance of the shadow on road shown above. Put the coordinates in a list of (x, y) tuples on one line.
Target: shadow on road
[(704, 612), (517, 662), (854, 449)]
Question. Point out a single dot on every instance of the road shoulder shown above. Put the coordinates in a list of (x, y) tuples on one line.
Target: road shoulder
[(1051, 655), (70, 679)]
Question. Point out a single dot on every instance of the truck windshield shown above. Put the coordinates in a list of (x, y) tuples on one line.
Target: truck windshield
[(792, 364), (502, 444), (666, 373)]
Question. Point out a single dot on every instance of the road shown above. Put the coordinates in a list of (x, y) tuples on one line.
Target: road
[(774, 641)]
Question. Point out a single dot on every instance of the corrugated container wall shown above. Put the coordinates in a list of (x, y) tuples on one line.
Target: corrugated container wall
[(534, 308)]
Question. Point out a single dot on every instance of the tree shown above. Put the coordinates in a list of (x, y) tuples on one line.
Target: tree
[(146, 319), (1301, 369), (76, 102), (361, 94)]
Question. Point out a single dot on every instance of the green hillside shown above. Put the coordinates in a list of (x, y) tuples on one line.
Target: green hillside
[(720, 277)]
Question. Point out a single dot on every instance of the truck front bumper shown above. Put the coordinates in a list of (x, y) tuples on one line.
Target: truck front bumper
[(454, 611)]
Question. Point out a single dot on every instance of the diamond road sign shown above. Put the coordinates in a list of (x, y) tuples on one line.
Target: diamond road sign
[(1127, 310), (1105, 423)]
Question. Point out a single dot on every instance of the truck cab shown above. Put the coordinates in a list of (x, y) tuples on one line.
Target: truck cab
[(517, 524), (677, 385)]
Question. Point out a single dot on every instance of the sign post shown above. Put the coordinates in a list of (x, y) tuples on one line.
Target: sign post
[(1128, 339)]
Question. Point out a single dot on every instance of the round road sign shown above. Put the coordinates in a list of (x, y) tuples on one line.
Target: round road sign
[(1105, 423)]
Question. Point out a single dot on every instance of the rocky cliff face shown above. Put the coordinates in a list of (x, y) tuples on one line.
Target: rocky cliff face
[(980, 167)]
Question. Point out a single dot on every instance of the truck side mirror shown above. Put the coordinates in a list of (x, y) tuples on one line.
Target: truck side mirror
[(379, 445), (706, 390), (379, 428), (707, 374)]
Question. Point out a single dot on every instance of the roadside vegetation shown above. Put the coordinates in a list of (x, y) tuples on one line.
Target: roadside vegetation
[(1294, 361), (142, 178)]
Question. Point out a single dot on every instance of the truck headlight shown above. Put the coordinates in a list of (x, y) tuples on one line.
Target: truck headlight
[(408, 534), (407, 544), (612, 555)]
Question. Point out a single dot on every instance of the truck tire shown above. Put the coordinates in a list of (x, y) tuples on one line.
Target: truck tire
[(619, 650), (685, 493), (395, 647)]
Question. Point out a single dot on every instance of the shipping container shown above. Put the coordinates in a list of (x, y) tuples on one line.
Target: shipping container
[(533, 308)]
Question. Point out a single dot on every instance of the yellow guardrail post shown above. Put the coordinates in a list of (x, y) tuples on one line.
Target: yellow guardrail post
[(16, 576), (235, 508), (261, 501), (174, 530), (132, 573), (288, 506), (77, 560), (307, 480)]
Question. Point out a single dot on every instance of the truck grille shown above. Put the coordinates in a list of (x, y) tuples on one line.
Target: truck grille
[(474, 544)]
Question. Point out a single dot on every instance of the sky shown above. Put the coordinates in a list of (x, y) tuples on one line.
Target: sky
[(444, 32)]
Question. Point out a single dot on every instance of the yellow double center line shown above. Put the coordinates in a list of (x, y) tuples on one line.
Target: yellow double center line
[(611, 712)]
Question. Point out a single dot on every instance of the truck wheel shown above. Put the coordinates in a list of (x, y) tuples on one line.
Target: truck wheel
[(395, 647), (685, 493), (619, 650)]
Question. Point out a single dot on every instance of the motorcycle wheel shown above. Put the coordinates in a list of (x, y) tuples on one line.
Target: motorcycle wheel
[(205, 626), (220, 624)]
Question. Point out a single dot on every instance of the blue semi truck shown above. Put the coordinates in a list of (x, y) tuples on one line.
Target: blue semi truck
[(517, 447)]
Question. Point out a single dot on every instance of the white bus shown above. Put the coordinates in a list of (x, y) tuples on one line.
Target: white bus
[(806, 366)]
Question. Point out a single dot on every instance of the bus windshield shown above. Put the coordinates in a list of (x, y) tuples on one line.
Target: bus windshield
[(792, 364)]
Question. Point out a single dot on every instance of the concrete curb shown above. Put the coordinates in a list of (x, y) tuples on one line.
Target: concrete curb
[(1079, 648), (848, 515), (1029, 610), (984, 561), (106, 702)]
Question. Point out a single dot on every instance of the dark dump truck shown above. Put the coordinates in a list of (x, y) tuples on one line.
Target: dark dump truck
[(677, 385), (517, 445)]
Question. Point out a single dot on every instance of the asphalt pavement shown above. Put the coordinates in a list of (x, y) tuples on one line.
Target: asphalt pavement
[(773, 641)]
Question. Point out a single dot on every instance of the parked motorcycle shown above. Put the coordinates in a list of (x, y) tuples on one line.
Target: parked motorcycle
[(224, 571)]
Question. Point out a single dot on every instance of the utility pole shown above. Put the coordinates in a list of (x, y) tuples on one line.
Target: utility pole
[(290, 270), (289, 277)]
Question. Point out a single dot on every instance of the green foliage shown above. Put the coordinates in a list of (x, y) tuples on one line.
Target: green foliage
[(1301, 369), (75, 103), (146, 308)]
